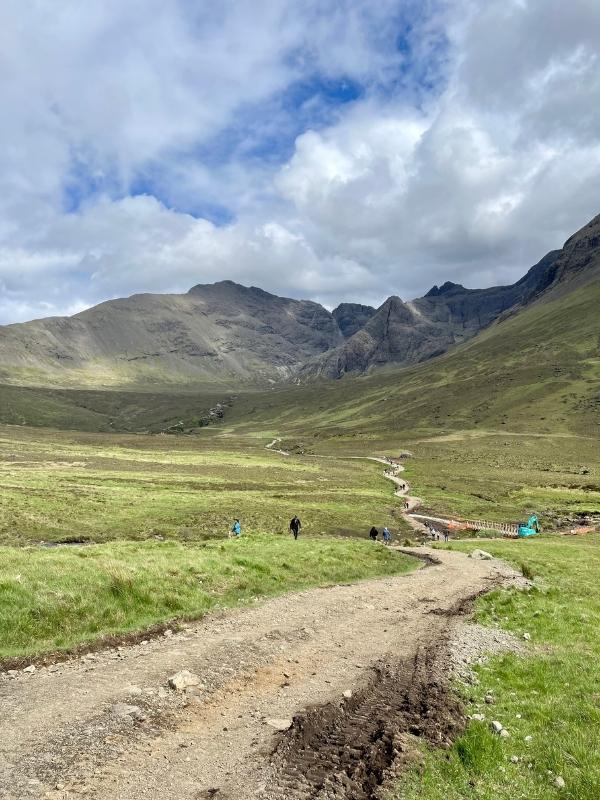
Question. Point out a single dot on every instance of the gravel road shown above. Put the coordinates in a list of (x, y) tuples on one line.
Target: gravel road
[(107, 726)]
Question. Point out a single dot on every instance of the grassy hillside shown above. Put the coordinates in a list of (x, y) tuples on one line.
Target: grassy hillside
[(108, 410), (536, 371), (216, 334), (501, 427)]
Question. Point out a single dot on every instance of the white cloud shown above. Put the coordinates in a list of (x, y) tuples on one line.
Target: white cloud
[(473, 149)]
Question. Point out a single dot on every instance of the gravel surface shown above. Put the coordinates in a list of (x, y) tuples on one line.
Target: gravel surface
[(108, 726)]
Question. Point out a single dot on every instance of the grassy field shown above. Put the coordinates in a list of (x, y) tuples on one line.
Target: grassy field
[(118, 410), (504, 477), (555, 689), (57, 486), (62, 597)]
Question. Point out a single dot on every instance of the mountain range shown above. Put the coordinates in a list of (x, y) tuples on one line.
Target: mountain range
[(225, 333)]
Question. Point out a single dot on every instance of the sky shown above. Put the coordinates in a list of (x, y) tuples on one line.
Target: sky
[(337, 150)]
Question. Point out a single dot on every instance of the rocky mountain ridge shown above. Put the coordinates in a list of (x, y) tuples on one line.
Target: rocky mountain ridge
[(405, 333), (224, 333)]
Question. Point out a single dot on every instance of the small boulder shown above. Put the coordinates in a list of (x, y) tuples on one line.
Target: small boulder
[(482, 555), (497, 726), (478, 717), (514, 759), (489, 699), (348, 694), (30, 669), (504, 733), (559, 782), (183, 680), (279, 724)]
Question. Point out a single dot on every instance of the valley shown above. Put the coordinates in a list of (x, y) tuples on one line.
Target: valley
[(120, 479), (300, 400)]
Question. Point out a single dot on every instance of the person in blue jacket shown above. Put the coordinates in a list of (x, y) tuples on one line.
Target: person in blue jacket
[(386, 535), (236, 528)]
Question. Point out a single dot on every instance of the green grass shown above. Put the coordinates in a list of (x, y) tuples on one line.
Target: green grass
[(56, 486), (62, 597), (109, 411), (555, 688), (500, 427), (503, 477), (537, 371)]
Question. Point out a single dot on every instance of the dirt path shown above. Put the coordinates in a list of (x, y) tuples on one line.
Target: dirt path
[(271, 446), (392, 473), (106, 726)]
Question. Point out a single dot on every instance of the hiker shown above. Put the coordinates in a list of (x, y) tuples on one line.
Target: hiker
[(374, 533), (236, 528), (446, 535), (295, 526), (406, 505), (386, 535)]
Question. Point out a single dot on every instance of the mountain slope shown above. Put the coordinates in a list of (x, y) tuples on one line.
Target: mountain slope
[(406, 333), (216, 333), (351, 317), (537, 369), (221, 334)]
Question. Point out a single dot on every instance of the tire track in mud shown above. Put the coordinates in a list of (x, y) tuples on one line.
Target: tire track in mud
[(349, 750)]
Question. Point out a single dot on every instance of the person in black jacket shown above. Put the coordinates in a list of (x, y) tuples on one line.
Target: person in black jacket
[(295, 526), (374, 533)]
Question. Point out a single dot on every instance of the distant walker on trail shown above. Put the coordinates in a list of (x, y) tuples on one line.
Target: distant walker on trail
[(295, 526), (374, 533), (236, 528), (386, 535)]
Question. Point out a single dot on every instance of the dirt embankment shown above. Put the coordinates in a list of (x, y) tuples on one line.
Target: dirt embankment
[(357, 671)]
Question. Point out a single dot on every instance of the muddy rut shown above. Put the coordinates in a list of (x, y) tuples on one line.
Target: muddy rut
[(355, 667)]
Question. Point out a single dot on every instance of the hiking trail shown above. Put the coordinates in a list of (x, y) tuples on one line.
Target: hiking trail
[(308, 695), (106, 725)]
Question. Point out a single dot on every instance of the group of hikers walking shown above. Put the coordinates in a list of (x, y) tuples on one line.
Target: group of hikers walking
[(385, 534), (295, 527), (433, 533)]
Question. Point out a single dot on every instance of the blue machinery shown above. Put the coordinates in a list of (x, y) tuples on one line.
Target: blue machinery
[(532, 528)]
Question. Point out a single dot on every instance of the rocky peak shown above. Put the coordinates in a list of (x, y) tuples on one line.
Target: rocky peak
[(446, 288), (351, 317)]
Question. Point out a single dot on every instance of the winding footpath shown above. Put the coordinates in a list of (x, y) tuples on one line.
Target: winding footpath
[(392, 473)]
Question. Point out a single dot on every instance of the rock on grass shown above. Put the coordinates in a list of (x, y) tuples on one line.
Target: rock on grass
[(482, 555)]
